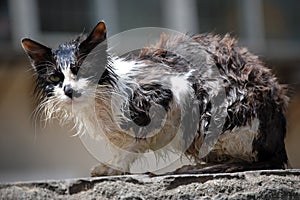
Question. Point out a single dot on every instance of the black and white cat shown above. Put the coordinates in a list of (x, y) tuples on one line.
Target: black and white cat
[(117, 98)]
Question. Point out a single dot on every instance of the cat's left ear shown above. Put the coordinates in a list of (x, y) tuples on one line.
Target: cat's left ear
[(97, 36)]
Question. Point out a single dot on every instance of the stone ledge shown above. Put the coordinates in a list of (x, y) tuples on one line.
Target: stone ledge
[(266, 184)]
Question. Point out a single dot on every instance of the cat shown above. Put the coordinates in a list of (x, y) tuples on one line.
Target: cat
[(183, 85)]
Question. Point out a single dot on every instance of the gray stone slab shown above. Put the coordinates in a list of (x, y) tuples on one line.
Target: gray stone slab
[(266, 184)]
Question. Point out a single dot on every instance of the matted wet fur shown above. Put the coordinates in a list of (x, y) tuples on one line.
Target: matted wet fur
[(175, 74)]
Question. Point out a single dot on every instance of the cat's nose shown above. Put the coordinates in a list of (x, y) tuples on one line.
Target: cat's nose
[(70, 92)]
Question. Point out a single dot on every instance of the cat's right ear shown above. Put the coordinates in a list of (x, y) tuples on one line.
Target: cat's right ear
[(37, 52), (97, 36)]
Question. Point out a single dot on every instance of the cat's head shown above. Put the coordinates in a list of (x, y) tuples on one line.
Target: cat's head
[(65, 73)]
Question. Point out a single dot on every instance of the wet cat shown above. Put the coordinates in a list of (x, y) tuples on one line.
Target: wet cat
[(171, 92)]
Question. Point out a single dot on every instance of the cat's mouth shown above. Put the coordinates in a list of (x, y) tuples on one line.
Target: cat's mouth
[(66, 101), (80, 101), (70, 101)]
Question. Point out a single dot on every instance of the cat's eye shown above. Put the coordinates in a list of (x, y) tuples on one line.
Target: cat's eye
[(54, 78)]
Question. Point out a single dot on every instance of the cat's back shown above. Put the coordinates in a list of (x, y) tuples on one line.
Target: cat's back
[(206, 56), (206, 65)]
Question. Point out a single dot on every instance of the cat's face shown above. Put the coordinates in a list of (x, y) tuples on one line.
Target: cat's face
[(60, 73)]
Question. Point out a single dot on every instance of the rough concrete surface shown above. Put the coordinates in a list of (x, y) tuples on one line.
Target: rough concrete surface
[(270, 184)]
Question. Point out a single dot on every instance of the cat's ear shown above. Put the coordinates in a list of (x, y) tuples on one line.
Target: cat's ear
[(37, 52), (97, 36)]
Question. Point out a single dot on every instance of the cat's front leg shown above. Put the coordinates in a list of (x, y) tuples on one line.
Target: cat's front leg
[(121, 162), (105, 170), (118, 166)]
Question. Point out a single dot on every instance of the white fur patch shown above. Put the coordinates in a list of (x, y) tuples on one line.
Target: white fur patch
[(180, 88), (238, 142), (122, 67)]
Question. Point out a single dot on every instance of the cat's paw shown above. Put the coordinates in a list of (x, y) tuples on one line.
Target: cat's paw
[(104, 170)]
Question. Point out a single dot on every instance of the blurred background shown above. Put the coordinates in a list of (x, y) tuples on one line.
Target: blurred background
[(269, 28)]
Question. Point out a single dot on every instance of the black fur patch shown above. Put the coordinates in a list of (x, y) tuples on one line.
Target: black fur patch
[(144, 98)]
